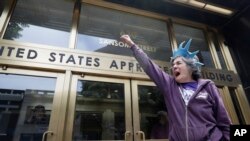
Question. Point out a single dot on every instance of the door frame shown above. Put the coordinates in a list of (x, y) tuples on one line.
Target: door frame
[(55, 109), (138, 134), (72, 103)]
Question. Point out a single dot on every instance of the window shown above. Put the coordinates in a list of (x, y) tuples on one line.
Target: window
[(2, 3), (219, 52), (183, 33), (100, 30), (44, 22), (26, 102)]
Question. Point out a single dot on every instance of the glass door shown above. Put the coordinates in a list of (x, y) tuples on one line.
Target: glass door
[(29, 105), (149, 112), (99, 109)]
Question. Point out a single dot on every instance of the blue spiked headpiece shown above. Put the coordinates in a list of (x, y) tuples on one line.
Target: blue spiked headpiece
[(183, 51)]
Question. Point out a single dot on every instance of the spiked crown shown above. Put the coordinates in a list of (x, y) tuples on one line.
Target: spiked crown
[(183, 51)]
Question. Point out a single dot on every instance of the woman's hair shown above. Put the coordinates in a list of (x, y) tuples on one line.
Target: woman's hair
[(191, 62), (40, 107)]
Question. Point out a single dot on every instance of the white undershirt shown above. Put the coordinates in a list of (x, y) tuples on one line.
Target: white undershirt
[(186, 94)]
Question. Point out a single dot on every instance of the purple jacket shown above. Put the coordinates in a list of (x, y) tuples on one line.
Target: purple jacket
[(159, 131), (203, 119)]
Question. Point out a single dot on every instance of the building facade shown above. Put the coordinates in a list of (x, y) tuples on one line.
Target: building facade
[(66, 76)]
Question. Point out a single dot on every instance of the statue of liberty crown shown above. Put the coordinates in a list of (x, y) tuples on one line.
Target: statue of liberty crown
[(183, 51)]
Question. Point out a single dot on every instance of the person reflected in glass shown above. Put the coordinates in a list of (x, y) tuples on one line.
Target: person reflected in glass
[(196, 111), (160, 128), (38, 116)]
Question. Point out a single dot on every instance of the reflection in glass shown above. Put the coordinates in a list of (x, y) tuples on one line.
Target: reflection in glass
[(100, 29), (43, 22), (184, 33), (153, 113), (99, 111), (26, 106), (218, 50), (236, 105), (2, 3)]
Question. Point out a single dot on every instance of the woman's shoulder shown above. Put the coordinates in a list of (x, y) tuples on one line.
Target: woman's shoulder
[(205, 81)]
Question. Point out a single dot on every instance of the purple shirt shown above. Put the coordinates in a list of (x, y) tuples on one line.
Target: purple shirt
[(190, 85), (205, 116)]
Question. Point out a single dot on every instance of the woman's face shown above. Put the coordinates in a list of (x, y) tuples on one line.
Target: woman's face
[(181, 71)]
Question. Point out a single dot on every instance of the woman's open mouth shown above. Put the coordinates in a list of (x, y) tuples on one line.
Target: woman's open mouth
[(176, 74)]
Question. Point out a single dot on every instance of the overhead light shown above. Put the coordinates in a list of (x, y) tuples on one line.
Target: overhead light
[(206, 6), (192, 3), (218, 9), (196, 3)]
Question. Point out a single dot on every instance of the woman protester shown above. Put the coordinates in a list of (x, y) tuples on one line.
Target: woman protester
[(195, 109)]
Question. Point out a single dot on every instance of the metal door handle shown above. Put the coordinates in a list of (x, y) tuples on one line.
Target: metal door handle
[(143, 135), (127, 133), (47, 132)]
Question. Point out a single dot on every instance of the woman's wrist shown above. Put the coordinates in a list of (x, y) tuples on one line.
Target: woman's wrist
[(131, 44)]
